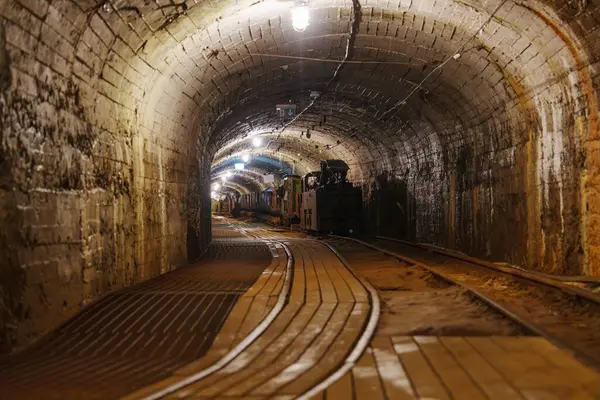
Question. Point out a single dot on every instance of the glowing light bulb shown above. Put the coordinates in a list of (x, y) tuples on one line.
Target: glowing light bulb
[(245, 158), (300, 18), (256, 142)]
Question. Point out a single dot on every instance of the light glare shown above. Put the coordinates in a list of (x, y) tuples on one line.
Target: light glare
[(300, 18), (256, 142), (245, 158)]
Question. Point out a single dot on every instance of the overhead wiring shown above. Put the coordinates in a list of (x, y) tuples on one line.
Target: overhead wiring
[(455, 55), (327, 60), (356, 18), (354, 26)]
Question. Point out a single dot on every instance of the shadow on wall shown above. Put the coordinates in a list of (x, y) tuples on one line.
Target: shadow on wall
[(505, 205), (194, 250), (199, 230), (390, 208), (12, 276)]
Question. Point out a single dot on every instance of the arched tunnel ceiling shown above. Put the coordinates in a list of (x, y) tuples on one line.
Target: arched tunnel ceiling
[(424, 78)]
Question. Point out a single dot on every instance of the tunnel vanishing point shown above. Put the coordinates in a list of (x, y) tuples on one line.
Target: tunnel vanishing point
[(469, 124)]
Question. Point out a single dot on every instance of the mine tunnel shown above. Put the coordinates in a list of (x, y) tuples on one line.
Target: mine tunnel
[(313, 199)]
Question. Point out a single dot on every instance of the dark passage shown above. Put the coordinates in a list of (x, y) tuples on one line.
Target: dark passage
[(138, 335)]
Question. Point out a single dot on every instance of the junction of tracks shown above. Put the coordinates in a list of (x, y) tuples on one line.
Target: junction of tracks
[(268, 313)]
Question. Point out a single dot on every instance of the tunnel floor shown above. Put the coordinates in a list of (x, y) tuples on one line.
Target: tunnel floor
[(267, 313), (141, 334)]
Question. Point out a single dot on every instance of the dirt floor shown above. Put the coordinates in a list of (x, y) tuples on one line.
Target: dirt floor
[(571, 320), (414, 302)]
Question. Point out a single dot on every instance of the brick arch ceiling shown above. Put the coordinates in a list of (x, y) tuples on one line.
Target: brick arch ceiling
[(250, 178), (187, 76), (262, 161), (200, 73)]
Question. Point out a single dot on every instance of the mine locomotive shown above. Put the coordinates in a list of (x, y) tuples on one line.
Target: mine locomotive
[(322, 201), (330, 203), (282, 201)]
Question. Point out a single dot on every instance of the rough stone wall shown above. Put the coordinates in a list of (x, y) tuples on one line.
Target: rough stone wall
[(91, 198), (515, 200), (517, 185)]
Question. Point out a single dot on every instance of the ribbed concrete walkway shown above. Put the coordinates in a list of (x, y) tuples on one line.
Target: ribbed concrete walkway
[(143, 333), (325, 315)]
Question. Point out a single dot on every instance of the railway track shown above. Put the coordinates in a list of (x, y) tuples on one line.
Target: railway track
[(319, 334), (567, 316)]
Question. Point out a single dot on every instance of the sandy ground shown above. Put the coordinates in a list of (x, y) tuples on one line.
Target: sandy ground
[(414, 302)]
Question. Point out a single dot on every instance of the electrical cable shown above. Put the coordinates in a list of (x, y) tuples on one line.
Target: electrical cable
[(336, 61), (355, 24), (455, 55)]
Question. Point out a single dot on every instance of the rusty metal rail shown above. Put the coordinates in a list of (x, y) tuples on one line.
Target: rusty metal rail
[(511, 313), (546, 279)]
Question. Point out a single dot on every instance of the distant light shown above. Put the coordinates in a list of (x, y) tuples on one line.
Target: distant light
[(216, 186), (239, 166), (456, 56), (245, 158), (228, 174), (300, 18), (256, 142), (224, 178)]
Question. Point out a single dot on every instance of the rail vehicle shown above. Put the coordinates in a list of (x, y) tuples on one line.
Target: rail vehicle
[(321, 201), (264, 202), (223, 206), (282, 201), (290, 193), (330, 203)]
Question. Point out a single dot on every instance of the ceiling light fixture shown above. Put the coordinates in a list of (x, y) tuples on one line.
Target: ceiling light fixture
[(300, 15)]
